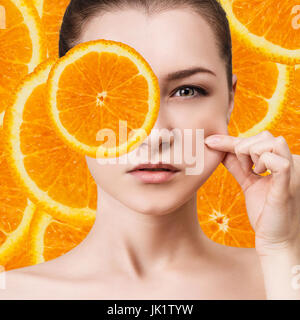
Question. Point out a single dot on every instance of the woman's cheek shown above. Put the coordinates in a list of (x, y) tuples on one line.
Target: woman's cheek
[(212, 158), (104, 174)]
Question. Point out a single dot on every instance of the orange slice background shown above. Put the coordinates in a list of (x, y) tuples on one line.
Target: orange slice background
[(51, 13), (22, 45), (270, 27), (47, 168), (268, 97)]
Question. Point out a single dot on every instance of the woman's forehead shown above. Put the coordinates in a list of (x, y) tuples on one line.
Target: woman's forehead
[(170, 40)]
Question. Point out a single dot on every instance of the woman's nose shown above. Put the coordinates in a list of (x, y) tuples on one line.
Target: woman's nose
[(161, 133)]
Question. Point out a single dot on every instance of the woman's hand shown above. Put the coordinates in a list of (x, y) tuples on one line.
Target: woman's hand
[(273, 201)]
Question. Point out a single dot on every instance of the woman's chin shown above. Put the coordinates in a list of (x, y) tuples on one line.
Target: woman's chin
[(154, 207)]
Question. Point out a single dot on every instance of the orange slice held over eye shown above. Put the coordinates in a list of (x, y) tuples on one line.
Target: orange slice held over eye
[(54, 176), (103, 85)]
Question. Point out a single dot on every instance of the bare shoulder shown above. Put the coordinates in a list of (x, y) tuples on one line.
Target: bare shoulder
[(34, 282), (65, 276), (220, 250), (245, 258), (22, 283), (240, 270)]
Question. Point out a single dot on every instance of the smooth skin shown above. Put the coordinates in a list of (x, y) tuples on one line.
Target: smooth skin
[(146, 242)]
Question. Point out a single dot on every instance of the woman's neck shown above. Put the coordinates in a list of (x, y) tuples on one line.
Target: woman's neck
[(141, 244)]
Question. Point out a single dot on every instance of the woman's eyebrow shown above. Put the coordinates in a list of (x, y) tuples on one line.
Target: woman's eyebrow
[(187, 73)]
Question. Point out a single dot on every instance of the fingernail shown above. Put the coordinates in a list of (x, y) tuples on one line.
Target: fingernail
[(212, 140)]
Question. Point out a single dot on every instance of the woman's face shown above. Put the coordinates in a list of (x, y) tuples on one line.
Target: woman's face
[(170, 41)]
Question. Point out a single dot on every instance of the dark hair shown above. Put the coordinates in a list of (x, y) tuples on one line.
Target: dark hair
[(80, 12)]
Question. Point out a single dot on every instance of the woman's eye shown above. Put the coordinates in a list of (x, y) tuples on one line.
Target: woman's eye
[(190, 91)]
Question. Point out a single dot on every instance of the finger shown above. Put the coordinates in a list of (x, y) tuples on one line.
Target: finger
[(245, 162), (246, 144), (281, 172), (220, 142), (242, 150), (260, 167), (233, 165), (254, 147), (276, 145), (227, 143)]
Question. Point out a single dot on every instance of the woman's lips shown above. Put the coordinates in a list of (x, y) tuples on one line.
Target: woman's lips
[(154, 173)]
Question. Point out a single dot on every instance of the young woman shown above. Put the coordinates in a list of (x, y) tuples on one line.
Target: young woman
[(146, 242)]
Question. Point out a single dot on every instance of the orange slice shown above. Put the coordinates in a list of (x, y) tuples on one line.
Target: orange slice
[(22, 45), (262, 90), (50, 238), (54, 176), (270, 27), (96, 85), (222, 211), (288, 124), (16, 211), (21, 258), (51, 13)]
